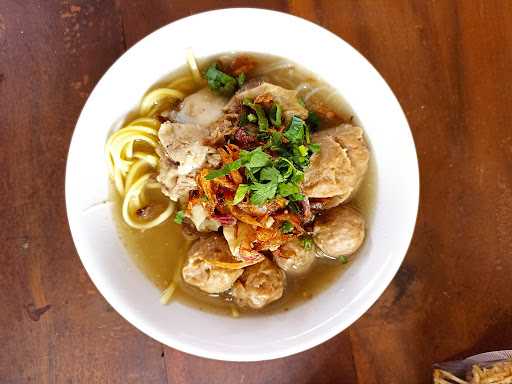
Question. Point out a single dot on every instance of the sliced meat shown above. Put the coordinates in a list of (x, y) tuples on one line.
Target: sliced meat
[(201, 274), (338, 169), (202, 107), (339, 231), (293, 258), (259, 285), (184, 144), (288, 99), (183, 153)]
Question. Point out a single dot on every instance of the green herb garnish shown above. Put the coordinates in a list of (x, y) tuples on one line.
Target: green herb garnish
[(275, 114), (260, 113), (263, 192), (313, 120), (255, 159), (240, 193), (295, 131), (307, 242), (220, 82), (287, 227), (225, 170), (279, 172), (314, 148), (287, 189), (343, 259), (251, 117), (180, 215), (240, 79)]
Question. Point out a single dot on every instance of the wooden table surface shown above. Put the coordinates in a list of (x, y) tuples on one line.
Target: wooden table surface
[(449, 64)]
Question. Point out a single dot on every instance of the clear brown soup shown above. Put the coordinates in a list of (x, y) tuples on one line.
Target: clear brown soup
[(160, 251)]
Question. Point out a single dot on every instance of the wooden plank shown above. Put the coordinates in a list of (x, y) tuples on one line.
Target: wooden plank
[(54, 325), (330, 362), (449, 66)]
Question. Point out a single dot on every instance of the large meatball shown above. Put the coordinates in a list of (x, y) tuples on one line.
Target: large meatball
[(259, 285), (205, 276), (339, 231), (294, 258), (338, 169)]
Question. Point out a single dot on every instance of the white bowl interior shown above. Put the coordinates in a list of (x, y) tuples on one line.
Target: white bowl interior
[(245, 338)]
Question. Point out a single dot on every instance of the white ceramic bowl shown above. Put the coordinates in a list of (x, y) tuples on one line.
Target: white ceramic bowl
[(245, 338)]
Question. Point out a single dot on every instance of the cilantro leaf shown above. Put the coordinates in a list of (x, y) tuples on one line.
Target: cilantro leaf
[(180, 215), (343, 259), (240, 193), (313, 120), (297, 177), (219, 81), (307, 242), (271, 174), (262, 192), (275, 114), (240, 79), (285, 166), (315, 148), (297, 197), (295, 131), (226, 169), (255, 158), (287, 189), (287, 227), (260, 113)]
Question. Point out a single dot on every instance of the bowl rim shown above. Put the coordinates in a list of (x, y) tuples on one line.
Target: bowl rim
[(307, 343)]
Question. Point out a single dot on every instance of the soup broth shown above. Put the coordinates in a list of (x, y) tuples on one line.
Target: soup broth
[(159, 252)]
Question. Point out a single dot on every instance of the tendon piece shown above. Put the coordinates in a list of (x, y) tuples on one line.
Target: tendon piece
[(201, 219), (339, 231), (288, 99), (259, 285), (294, 258), (204, 275), (202, 107)]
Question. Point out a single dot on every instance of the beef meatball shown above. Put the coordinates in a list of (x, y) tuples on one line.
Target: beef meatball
[(294, 258), (336, 172), (259, 285), (205, 276), (339, 231)]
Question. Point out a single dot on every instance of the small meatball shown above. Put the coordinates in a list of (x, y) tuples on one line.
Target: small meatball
[(294, 258), (338, 169), (259, 285), (339, 231), (205, 276), (203, 108)]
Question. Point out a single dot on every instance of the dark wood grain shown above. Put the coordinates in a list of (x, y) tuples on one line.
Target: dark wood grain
[(449, 65)]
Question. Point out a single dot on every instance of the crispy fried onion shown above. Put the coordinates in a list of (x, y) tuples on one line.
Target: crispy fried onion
[(249, 229)]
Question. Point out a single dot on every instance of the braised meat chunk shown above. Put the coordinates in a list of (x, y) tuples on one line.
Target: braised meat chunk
[(338, 169)]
